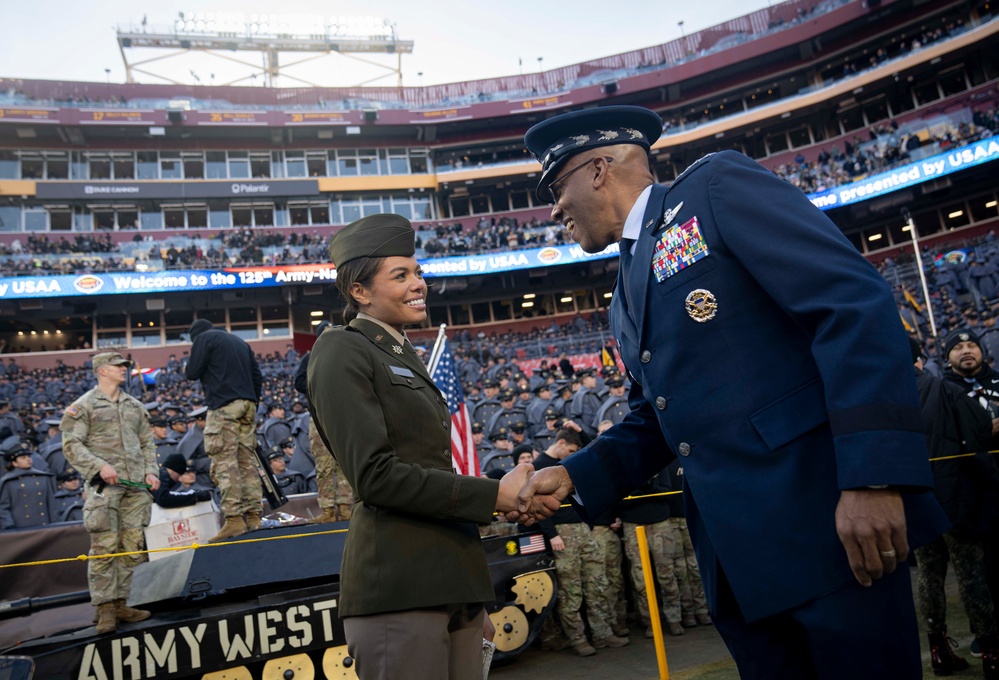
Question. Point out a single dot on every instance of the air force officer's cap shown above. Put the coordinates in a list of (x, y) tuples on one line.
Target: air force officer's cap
[(556, 140), (385, 235)]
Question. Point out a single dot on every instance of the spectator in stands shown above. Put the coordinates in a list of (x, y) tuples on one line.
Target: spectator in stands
[(27, 495), (965, 487), (69, 496), (714, 225)]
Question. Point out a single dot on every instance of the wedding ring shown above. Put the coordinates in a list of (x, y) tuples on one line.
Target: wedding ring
[(887, 553)]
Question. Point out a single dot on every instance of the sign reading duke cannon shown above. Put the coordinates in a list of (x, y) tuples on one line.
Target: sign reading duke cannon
[(191, 189), (178, 281)]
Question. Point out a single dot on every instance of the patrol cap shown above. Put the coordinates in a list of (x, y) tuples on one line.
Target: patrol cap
[(384, 235), (198, 413), (275, 452), (554, 141), (960, 335), (112, 358)]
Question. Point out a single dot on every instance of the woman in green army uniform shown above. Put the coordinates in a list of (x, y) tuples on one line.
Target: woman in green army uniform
[(414, 576)]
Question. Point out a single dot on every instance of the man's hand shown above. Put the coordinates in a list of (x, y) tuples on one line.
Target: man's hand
[(510, 486), (542, 495), (558, 545), (108, 474), (153, 481), (871, 526)]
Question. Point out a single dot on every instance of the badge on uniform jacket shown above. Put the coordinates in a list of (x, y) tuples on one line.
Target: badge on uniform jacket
[(678, 248)]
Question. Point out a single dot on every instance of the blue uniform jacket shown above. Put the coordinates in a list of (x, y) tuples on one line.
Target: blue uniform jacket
[(798, 386)]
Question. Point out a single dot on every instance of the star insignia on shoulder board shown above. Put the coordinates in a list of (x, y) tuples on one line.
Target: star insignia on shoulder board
[(397, 349)]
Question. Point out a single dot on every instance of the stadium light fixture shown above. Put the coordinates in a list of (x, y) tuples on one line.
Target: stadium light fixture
[(608, 295), (567, 298), (529, 296), (990, 204), (954, 215), (527, 304), (316, 322), (874, 237), (316, 313)]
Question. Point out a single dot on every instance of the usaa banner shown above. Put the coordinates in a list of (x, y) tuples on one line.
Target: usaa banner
[(177, 281), (929, 168)]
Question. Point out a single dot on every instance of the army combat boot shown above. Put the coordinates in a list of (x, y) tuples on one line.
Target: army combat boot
[(234, 526), (107, 620), (325, 517), (942, 658), (252, 520), (127, 614)]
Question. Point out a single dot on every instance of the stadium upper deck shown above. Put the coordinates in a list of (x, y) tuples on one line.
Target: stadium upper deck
[(857, 102)]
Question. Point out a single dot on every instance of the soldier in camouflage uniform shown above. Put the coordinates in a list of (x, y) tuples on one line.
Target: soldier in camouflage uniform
[(335, 495), (693, 602), (231, 379), (579, 564), (106, 436), (653, 513)]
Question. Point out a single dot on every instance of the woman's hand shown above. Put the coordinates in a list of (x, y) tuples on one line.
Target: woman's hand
[(510, 486)]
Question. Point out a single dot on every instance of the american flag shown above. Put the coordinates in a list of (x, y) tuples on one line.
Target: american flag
[(464, 458), (531, 544)]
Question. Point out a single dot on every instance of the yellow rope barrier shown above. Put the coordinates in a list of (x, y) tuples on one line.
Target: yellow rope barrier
[(197, 546), (193, 546)]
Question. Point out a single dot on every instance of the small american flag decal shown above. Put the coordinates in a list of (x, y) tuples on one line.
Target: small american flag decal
[(531, 544)]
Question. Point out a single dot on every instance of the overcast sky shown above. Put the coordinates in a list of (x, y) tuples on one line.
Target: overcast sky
[(454, 41)]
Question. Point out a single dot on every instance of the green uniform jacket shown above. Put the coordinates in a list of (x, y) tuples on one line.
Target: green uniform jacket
[(412, 542)]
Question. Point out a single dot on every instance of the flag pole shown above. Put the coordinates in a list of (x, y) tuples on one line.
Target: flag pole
[(435, 354)]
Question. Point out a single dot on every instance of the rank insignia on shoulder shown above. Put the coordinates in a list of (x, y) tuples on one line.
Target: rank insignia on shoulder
[(397, 349), (701, 305), (671, 213), (72, 412)]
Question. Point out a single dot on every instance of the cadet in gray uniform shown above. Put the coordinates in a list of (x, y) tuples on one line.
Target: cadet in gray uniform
[(26, 493)]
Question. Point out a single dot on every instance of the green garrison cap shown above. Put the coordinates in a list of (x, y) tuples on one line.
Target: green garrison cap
[(385, 235)]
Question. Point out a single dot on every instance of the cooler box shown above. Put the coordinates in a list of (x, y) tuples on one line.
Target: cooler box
[(178, 527)]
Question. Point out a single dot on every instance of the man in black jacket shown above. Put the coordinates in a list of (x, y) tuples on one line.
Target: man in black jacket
[(231, 380), (966, 487), (177, 484)]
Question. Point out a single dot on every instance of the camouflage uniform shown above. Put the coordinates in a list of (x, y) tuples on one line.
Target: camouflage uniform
[(661, 540), (581, 573), (968, 557), (230, 441), (333, 488), (97, 431), (688, 575), (609, 546)]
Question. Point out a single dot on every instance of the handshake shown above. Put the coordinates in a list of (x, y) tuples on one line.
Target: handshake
[(526, 495)]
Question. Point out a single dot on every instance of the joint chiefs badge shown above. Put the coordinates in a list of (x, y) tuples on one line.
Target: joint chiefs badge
[(701, 305)]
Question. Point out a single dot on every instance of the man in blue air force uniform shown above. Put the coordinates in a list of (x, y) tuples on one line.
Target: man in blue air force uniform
[(767, 353)]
